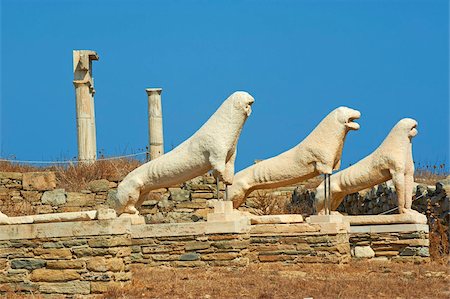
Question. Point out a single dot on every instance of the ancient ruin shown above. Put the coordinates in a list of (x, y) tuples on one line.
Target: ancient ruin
[(155, 123), (84, 91), (213, 146), (319, 153), (391, 160)]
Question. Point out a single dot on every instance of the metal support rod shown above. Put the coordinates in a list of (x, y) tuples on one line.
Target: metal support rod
[(329, 193), (226, 192), (217, 187), (326, 195)]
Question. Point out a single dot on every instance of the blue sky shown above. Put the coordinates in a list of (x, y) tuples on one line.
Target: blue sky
[(299, 59)]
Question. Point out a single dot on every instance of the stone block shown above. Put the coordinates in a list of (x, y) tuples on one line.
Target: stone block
[(109, 241), (62, 264), (362, 252), (192, 205), (72, 287), (196, 195), (55, 197), (65, 217), (275, 219), (11, 175), (189, 264), (31, 196), (99, 185), (44, 209), (196, 245), (177, 194), (191, 256), (122, 276), (165, 257), (221, 256), (53, 253), (46, 275), (76, 199), (29, 264), (106, 214), (12, 276), (100, 264), (39, 181)]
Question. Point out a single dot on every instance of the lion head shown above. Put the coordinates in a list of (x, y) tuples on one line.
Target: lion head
[(409, 126), (346, 116), (243, 101)]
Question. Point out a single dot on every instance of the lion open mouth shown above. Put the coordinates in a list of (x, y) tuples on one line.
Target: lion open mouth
[(351, 124), (413, 131)]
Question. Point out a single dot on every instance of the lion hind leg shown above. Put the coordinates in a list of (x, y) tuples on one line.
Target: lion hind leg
[(127, 204)]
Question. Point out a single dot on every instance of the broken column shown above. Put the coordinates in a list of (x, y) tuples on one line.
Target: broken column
[(155, 126), (84, 90)]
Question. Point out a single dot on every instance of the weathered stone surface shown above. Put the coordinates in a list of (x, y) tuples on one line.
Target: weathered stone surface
[(192, 205), (11, 175), (414, 251), (72, 287), (13, 276), (31, 196), (275, 219), (108, 241), (47, 275), (39, 181), (100, 264), (202, 195), (75, 199), (191, 256), (53, 253), (177, 194), (61, 264), (29, 264), (363, 252), (219, 256), (196, 245), (56, 197), (99, 185)]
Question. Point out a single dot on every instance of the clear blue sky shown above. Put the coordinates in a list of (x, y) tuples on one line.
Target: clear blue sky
[(299, 59)]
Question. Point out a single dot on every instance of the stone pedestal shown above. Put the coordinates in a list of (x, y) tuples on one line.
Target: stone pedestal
[(223, 211)]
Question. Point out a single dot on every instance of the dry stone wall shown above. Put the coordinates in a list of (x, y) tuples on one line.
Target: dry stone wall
[(78, 264), (38, 193), (400, 246)]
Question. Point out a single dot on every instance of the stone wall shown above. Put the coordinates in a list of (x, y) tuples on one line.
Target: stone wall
[(301, 247), (431, 201), (38, 193), (64, 258), (399, 242), (192, 251), (282, 243)]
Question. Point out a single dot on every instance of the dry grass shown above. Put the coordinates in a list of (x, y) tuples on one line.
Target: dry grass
[(430, 174), (439, 242), (355, 280), (76, 177)]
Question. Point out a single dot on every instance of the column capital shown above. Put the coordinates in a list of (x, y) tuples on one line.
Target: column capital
[(153, 90)]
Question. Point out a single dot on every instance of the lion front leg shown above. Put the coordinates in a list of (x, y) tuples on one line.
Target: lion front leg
[(228, 174), (218, 164), (399, 182)]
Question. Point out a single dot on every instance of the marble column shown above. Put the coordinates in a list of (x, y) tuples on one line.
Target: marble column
[(155, 124), (84, 92)]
